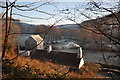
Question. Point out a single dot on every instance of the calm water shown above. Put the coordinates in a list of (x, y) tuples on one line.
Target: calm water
[(89, 55), (96, 56)]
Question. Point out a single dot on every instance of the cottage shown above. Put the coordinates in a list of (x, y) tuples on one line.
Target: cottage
[(34, 41)]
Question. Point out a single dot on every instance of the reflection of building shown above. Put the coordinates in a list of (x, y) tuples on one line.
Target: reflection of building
[(34, 41)]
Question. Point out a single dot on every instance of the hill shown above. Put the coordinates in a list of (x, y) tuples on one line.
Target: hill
[(25, 67), (105, 29), (109, 20), (26, 28), (68, 26)]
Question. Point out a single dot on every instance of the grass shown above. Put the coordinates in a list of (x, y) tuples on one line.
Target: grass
[(23, 67)]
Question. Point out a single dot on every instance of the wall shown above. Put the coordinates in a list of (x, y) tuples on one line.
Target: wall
[(58, 57), (30, 43)]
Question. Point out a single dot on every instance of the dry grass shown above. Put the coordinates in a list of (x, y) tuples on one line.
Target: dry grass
[(48, 69), (25, 67)]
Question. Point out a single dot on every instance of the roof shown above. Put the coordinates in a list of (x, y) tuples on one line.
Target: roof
[(36, 37)]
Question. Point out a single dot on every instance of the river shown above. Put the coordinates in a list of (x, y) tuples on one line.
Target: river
[(88, 55)]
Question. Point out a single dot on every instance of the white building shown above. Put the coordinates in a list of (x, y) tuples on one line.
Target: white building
[(80, 56), (34, 41), (49, 49)]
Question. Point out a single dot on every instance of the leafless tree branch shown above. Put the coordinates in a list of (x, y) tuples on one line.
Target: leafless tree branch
[(30, 17)]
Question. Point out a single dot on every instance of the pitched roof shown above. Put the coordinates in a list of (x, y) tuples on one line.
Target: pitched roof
[(36, 37)]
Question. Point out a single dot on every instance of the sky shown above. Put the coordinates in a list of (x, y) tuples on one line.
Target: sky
[(62, 0), (54, 9)]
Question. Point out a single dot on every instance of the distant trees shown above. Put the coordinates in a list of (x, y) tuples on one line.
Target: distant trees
[(8, 14), (41, 29), (103, 28), (53, 35), (107, 26)]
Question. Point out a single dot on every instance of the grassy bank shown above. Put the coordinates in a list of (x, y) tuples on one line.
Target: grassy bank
[(25, 67)]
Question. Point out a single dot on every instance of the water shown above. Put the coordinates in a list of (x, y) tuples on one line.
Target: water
[(96, 56), (88, 55), (91, 55)]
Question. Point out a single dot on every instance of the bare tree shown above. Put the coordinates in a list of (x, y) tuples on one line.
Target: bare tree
[(105, 26), (103, 22), (9, 6)]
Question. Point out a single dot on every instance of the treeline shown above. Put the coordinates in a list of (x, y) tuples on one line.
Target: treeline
[(83, 37)]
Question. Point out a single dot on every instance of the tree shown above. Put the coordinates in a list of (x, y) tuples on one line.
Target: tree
[(9, 6), (106, 27), (102, 21), (103, 26)]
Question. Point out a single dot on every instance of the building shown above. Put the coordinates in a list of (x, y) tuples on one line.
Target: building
[(34, 41), (64, 58)]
